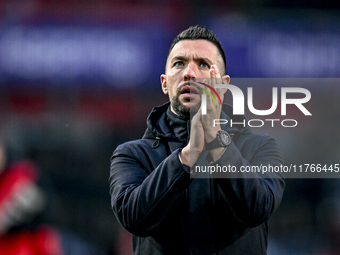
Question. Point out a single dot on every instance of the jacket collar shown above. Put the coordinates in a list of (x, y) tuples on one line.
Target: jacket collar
[(163, 124), (160, 127)]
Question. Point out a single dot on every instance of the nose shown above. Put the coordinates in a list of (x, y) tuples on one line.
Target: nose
[(190, 73)]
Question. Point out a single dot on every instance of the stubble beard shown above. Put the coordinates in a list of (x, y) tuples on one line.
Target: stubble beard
[(181, 110)]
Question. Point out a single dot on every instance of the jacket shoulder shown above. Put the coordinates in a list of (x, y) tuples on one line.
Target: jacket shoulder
[(134, 144), (144, 151)]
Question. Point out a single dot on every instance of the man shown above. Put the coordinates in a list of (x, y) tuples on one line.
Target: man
[(154, 194)]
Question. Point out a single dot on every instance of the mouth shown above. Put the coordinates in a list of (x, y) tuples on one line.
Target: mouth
[(189, 88)]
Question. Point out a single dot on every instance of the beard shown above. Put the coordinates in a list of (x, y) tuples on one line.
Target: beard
[(180, 109)]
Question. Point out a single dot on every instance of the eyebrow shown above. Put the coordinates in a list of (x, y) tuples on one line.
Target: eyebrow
[(207, 60), (179, 57)]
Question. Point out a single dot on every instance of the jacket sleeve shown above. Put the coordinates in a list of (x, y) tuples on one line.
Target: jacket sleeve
[(252, 196), (140, 199)]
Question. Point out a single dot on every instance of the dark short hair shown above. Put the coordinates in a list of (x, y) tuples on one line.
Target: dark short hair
[(199, 33)]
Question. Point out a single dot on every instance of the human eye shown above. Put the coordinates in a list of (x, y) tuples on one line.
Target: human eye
[(178, 64), (204, 65)]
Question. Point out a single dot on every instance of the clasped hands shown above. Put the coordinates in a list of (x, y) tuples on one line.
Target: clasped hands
[(203, 129)]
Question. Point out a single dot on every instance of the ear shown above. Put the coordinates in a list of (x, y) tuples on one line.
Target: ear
[(164, 84), (225, 79)]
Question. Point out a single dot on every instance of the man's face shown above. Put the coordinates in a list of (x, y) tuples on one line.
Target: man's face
[(188, 61)]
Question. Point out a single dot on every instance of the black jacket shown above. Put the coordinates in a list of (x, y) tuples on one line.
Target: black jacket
[(154, 197)]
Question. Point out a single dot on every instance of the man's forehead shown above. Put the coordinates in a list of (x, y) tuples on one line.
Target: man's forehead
[(195, 48)]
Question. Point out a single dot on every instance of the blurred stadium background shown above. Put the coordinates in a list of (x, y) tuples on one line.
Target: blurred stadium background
[(77, 78)]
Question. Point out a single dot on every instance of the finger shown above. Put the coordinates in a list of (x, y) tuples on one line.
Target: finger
[(212, 72), (196, 117), (219, 80), (216, 75), (205, 90), (209, 86), (213, 96), (216, 79)]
